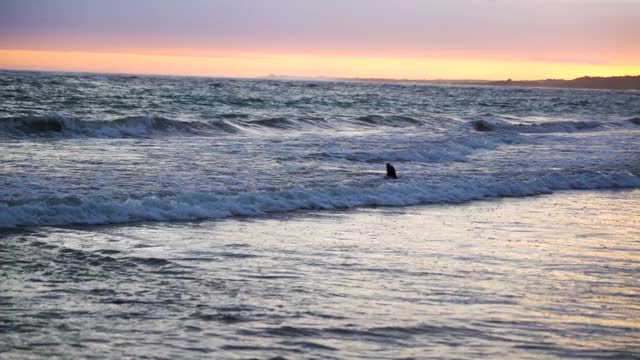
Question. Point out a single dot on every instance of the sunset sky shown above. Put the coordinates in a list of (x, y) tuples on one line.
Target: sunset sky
[(418, 39)]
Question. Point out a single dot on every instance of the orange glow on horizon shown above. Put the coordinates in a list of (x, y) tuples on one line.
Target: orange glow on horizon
[(255, 64)]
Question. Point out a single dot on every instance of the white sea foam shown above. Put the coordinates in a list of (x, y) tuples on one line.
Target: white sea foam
[(94, 210)]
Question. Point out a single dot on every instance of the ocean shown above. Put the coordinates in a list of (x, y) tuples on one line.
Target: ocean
[(164, 217)]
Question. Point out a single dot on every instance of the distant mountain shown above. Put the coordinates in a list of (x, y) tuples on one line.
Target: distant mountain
[(586, 82)]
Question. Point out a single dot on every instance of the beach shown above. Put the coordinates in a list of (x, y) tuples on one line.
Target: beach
[(544, 277)]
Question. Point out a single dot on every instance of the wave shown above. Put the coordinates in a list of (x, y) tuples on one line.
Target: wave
[(192, 206), (145, 126), (283, 123), (391, 121), (148, 126), (135, 126), (484, 125)]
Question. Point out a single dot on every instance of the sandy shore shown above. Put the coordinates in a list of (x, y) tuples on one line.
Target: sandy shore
[(552, 276)]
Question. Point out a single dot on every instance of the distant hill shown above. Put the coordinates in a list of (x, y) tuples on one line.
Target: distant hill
[(376, 80), (586, 82)]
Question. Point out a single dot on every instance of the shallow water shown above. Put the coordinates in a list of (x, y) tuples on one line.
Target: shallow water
[(546, 277)]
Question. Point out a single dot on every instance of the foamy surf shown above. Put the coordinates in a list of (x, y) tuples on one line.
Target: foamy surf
[(192, 206)]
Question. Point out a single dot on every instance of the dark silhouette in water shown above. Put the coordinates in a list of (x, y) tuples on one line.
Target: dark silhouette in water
[(391, 171), (483, 126)]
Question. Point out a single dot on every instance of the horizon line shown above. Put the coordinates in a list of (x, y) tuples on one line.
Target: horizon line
[(296, 77)]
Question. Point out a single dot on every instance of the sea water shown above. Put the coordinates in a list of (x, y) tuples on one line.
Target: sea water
[(135, 154), (83, 149)]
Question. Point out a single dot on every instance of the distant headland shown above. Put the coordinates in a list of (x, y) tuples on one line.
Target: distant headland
[(585, 82)]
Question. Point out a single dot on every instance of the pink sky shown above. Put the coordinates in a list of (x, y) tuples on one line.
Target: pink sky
[(549, 37)]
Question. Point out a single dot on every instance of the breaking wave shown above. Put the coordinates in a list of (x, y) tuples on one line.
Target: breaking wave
[(144, 126), (149, 126), (191, 206), (134, 126), (283, 123), (392, 121), (484, 125)]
